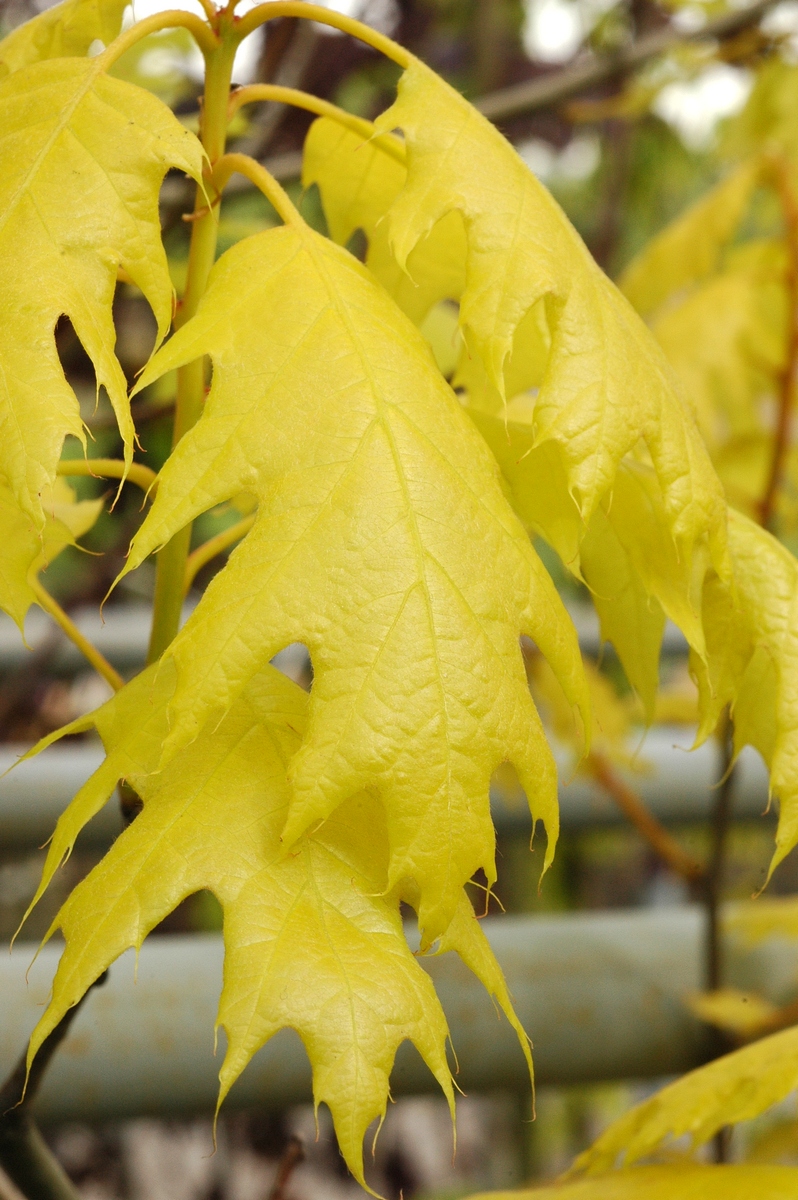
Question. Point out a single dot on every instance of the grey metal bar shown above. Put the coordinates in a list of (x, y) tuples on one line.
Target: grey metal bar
[(600, 994), (680, 787)]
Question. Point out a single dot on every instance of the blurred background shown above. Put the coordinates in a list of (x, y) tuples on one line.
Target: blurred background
[(624, 154)]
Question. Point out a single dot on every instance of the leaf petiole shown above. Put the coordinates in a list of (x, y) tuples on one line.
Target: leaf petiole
[(110, 468), (64, 622), (200, 30), (257, 92), (215, 545), (325, 16), (242, 164)]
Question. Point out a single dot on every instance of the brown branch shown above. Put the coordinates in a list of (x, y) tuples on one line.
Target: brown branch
[(24, 1155), (630, 804), (781, 437), (293, 1155), (562, 85)]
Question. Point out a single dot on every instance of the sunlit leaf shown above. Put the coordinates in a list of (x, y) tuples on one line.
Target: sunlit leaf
[(382, 541), (84, 158), (607, 386)]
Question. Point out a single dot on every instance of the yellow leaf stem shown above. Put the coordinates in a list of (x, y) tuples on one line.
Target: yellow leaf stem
[(382, 541), (68, 626)]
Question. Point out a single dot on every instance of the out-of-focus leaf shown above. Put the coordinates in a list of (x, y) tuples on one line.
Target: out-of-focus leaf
[(64, 31), (677, 1182), (734, 1088), (743, 1014)]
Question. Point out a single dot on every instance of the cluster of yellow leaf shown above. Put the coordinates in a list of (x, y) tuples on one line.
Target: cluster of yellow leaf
[(313, 939), (389, 537), (597, 448)]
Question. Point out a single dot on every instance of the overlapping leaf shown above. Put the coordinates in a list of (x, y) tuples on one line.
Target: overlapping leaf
[(63, 31), (752, 639), (84, 159), (606, 385), (734, 1088), (682, 1181), (688, 250), (382, 541), (626, 554), (313, 940), (358, 181), (25, 550)]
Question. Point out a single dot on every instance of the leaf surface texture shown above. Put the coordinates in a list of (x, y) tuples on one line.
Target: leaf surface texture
[(382, 541), (85, 156)]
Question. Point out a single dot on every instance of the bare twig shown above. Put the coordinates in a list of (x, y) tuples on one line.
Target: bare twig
[(713, 884), (293, 1155), (630, 804), (24, 1155), (561, 85)]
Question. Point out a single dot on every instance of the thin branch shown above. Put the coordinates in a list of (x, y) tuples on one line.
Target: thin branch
[(215, 545), (561, 85), (293, 1155), (713, 883), (630, 804), (24, 1155), (97, 660), (781, 436), (110, 468)]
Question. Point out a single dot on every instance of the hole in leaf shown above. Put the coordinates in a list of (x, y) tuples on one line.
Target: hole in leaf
[(294, 662)]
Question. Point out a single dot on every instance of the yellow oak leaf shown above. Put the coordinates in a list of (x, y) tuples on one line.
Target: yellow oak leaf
[(688, 250), (742, 1014), (358, 180), (85, 156), (733, 1088), (767, 122), (767, 916), (63, 31), (752, 642), (676, 1181), (24, 549), (607, 384), (313, 938), (625, 554), (382, 541)]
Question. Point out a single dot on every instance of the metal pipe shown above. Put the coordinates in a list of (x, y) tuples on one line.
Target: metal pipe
[(600, 994), (679, 787)]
